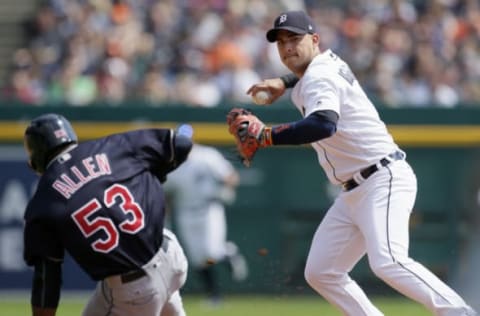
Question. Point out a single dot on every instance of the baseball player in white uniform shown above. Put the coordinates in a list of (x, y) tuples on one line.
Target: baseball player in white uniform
[(197, 194), (371, 214)]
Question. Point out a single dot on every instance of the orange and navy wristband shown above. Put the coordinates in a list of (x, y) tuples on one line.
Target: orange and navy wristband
[(267, 137)]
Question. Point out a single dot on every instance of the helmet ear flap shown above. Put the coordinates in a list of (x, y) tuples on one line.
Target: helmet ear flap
[(37, 163), (37, 149), (32, 164)]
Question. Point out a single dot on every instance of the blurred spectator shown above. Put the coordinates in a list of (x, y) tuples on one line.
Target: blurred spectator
[(154, 88), (72, 86), (206, 52)]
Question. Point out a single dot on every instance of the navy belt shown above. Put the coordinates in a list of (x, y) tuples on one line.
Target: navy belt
[(367, 172), (140, 273), (132, 275)]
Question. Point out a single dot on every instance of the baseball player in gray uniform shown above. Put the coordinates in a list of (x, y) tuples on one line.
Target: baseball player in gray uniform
[(371, 213), (197, 194)]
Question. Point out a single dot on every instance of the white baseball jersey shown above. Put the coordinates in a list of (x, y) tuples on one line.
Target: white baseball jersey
[(197, 194), (362, 138)]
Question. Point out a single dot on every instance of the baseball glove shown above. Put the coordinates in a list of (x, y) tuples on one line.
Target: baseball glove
[(249, 132)]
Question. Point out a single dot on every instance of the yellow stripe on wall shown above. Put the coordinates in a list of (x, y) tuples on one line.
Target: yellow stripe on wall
[(436, 135), (217, 134)]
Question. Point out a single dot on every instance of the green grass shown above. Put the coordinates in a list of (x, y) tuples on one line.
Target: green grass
[(235, 306), (293, 305)]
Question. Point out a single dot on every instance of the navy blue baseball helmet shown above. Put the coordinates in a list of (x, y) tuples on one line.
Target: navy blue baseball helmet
[(45, 136)]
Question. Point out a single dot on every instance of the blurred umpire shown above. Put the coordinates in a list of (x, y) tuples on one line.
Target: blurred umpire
[(103, 202)]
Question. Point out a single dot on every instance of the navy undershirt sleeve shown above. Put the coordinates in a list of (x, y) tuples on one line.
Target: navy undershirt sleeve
[(316, 126), (289, 80), (47, 281)]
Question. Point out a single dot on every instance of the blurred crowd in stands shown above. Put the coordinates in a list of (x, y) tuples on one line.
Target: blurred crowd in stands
[(207, 53)]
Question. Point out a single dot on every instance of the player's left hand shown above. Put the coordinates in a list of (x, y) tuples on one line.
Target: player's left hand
[(249, 132)]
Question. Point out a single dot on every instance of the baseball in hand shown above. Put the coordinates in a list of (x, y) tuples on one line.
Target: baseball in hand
[(261, 97)]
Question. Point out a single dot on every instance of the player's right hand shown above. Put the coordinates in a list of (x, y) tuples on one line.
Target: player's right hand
[(274, 86)]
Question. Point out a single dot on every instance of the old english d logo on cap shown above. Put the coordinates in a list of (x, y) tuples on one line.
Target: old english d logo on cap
[(294, 21)]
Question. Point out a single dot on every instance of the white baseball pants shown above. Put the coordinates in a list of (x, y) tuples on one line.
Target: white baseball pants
[(155, 294), (373, 218)]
